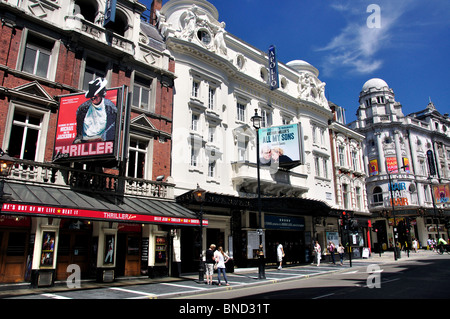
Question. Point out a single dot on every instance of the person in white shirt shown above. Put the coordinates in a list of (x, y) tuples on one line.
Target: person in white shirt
[(280, 254)]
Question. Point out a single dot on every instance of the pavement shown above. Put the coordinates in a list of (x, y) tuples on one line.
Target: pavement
[(187, 284)]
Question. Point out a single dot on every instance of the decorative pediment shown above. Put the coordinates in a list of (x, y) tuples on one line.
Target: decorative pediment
[(142, 123), (33, 92)]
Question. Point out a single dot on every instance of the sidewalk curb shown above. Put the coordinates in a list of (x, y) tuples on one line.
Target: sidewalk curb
[(8, 290)]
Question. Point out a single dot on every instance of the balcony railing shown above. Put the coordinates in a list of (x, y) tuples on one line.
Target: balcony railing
[(66, 177)]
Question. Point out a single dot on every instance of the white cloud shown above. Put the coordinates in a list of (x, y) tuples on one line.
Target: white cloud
[(357, 47)]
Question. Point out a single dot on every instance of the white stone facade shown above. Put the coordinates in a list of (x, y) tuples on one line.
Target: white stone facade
[(220, 82)]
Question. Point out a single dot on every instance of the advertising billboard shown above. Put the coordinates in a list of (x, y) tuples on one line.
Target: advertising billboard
[(441, 193), (87, 125), (281, 146)]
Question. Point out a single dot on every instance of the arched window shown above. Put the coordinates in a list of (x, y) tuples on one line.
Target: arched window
[(377, 196), (120, 25), (87, 8)]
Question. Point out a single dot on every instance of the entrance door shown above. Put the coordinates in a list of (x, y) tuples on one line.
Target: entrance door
[(13, 248), (128, 262), (73, 248)]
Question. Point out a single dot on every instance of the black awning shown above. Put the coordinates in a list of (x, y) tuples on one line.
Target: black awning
[(36, 200)]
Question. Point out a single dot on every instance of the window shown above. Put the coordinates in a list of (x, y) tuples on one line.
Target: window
[(240, 109), (242, 149), (423, 168), (426, 193), (137, 158), (355, 160), (325, 167), (194, 155), (195, 122), (211, 168), (285, 121), (380, 99), (211, 98), (358, 198), (317, 165), (345, 195), (377, 196), (211, 133), (266, 120), (195, 89), (94, 69), (141, 92), (341, 156), (36, 59), (204, 36), (25, 131)]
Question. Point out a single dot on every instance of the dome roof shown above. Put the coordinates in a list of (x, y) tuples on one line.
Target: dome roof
[(374, 83), (300, 65)]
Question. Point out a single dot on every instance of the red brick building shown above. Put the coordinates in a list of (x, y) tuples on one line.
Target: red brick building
[(110, 216)]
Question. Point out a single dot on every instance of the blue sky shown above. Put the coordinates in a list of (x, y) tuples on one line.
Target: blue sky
[(407, 44)]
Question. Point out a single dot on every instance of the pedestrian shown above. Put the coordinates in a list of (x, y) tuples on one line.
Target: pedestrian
[(221, 258), (414, 244), (280, 254), (209, 263), (341, 251), (318, 252), (331, 249)]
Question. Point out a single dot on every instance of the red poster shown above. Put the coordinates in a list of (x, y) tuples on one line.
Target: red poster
[(85, 128), (392, 164)]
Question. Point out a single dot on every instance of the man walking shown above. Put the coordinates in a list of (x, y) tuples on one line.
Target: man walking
[(280, 254)]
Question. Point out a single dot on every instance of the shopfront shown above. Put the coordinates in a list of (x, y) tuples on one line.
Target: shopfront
[(288, 231), (43, 243)]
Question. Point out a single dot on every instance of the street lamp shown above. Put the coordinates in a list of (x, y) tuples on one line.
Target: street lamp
[(6, 164), (199, 196), (393, 210), (256, 120)]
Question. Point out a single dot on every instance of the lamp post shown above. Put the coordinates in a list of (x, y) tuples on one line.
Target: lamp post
[(6, 164), (199, 195), (256, 120), (393, 210)]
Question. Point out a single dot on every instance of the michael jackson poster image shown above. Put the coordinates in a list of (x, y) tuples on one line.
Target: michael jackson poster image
[(87, 122)]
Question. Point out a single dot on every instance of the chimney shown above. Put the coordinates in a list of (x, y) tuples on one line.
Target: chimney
[(156, 6)]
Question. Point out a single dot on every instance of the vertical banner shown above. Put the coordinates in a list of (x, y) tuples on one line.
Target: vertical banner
[(406, 165), (431, 166), (110, 12), (373, 167), (441, 193), (391, 163), (273, 69)]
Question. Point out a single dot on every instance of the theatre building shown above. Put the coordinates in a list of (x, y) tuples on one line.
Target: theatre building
[(86, 117), (221, 83)]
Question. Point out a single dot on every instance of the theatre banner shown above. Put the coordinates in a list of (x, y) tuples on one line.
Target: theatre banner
[(38, 210), (441, 193), (87, 126), (281, 145)]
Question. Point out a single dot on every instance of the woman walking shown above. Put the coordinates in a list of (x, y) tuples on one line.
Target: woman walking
[(221, 258), (318, 251), (341, 251)]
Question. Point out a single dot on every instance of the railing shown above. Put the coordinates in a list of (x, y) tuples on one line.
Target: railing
[(63, 176)]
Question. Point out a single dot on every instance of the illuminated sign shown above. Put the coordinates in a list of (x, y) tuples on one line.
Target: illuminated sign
[(273, 69), (281, 145), (87, 127), (37, 210)]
